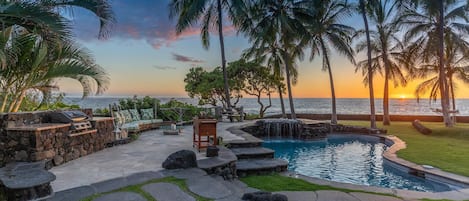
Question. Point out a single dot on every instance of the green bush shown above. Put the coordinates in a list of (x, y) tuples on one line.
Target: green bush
[(188, 111), (138, 103)]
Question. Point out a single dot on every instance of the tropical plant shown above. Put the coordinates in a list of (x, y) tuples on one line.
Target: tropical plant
[(37, 64), (430, 22), (389, 54), (284, 21), (326, 32), (210, 14)]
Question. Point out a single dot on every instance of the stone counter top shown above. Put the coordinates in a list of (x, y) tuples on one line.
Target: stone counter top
[(39, 127), (102, 118)]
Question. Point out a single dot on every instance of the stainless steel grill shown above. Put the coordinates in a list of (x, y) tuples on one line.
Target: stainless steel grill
[(79, 121)]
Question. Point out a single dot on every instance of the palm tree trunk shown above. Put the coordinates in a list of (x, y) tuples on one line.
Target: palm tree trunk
[(4, 103), (442, 79), (223, 59), (453, 99), (370, 69), (290, 96), (386, 118), (19, 102), (331, 82), (282, 104)]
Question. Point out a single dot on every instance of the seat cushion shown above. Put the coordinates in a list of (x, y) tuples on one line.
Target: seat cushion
[(118, 119), (147, 114), (135, 115), (133, 126), (126, 115), (156, 120)]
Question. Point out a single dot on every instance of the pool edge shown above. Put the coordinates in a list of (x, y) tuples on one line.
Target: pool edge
[(390, 156)]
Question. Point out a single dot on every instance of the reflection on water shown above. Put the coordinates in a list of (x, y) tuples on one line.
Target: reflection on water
[(348, 160)]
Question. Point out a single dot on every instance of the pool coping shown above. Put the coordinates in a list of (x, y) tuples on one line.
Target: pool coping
[(395, 144)]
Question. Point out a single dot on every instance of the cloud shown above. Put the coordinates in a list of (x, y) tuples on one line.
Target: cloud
[(182, 58), (164, 67), (146, 20)]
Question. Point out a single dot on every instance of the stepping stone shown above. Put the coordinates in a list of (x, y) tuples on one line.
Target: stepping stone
[(253, 152), (373, 197), (142, 177), (185, 173), (110, 185), (334, 195), (167, 192), (261, 164), (121, 196), (300, 195), (208, 187), (74, 194)]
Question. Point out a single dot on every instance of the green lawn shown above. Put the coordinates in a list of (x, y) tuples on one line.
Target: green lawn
[(276, 182), (445, 148)]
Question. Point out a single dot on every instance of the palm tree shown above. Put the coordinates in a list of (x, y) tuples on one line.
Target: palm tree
[(363, 8), (282, 20), (457, 67), (429, 24), (210, 14), (326, 32), (387, 49), (43, 16), (102, 9), (37, 65)]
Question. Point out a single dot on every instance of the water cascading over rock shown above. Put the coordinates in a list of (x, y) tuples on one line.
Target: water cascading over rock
[(278, 128)]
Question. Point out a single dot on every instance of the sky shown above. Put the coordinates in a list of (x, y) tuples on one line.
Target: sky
[(145, 56)]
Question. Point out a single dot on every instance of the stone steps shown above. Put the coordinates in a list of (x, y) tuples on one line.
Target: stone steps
[(260, 166), (255, 159), (253, 152)]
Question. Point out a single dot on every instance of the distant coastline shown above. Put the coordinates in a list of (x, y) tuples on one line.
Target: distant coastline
[(302, 105)]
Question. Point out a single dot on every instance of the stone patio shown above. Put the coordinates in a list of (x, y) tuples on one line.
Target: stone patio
[(141, 161)]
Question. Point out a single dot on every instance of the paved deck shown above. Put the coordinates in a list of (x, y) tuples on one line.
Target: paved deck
[(141, 160), (145, 154)]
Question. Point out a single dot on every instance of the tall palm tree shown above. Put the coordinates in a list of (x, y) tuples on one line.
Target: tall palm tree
[(363, 7), (457, 67), (387, 49), (327, 32), (210, 15), (429, 24), (284, 21)]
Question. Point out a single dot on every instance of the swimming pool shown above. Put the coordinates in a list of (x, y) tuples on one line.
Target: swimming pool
[(351, 159)]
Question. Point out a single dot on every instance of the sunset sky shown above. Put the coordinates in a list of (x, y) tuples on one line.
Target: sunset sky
[(144, 56)]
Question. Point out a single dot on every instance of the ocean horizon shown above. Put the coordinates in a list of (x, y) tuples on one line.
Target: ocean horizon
[(407, 106)]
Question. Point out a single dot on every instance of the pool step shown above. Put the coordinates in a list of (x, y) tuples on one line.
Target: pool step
[(253, 152), (260, 166)]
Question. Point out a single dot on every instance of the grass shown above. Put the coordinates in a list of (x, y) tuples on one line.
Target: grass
[(276, 182), (445, 148), (138, 189)]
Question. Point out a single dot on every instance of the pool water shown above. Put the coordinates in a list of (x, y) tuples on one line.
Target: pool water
[(350, 159)]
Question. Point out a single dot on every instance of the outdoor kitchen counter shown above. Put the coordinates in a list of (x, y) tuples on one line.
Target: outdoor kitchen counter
[(39, 127), (102, 118)]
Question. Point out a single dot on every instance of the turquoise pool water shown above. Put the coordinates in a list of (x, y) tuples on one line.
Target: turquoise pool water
[(350, 159)]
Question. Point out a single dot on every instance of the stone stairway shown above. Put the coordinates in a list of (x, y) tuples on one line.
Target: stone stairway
[(255, 159)]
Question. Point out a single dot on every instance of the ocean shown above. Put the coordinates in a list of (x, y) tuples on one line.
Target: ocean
[(305, 105)]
